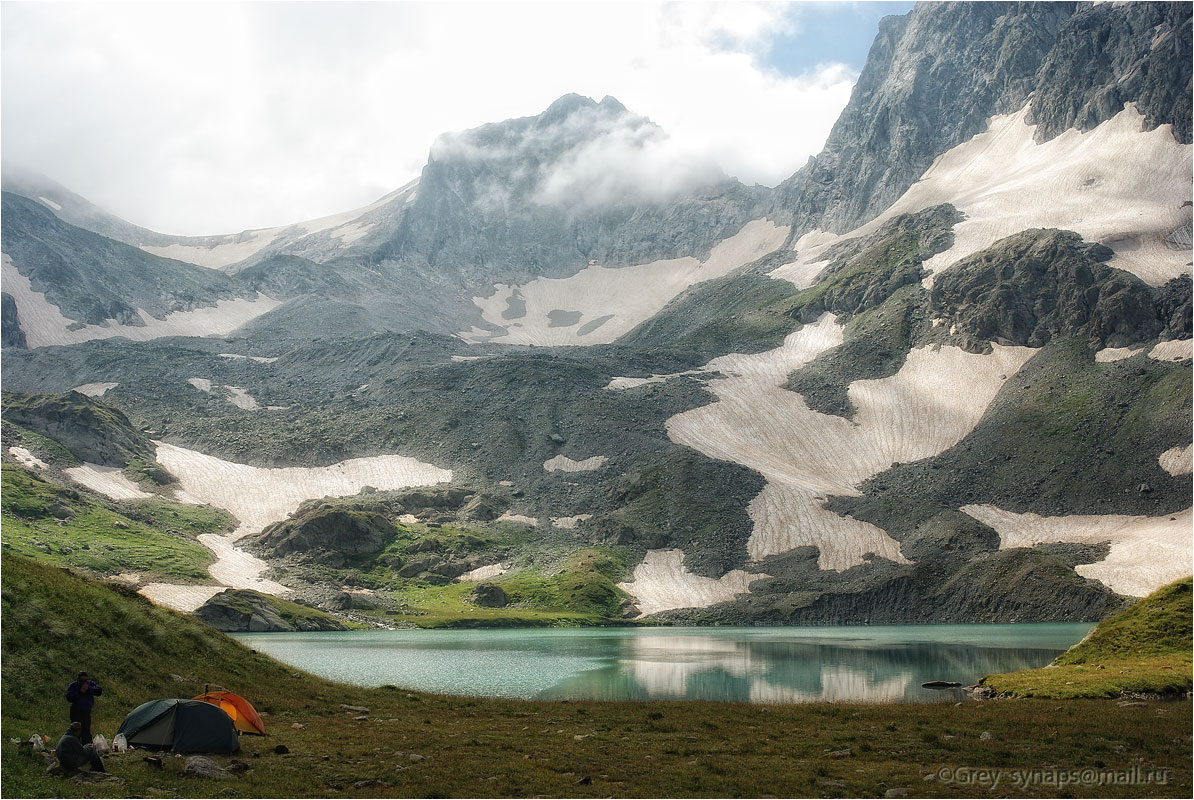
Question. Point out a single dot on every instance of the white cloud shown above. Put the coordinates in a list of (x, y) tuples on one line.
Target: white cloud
[(625, 164), (205, 118)]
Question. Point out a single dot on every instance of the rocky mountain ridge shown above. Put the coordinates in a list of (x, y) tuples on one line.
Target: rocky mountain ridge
[(951, 402)]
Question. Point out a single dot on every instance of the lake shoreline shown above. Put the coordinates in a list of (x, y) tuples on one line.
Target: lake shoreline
[(882, 664)]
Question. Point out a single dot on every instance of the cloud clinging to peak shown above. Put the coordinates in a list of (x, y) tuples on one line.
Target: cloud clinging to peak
[(206, 117)]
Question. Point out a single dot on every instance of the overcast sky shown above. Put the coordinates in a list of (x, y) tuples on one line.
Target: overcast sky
[(198, 118)]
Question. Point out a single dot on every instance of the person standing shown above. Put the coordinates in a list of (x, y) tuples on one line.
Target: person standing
[(81, 695)]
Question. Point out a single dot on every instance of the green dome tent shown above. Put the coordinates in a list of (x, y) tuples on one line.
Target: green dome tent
[(184, 726)]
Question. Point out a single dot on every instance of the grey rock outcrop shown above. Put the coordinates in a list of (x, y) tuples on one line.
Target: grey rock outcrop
[(494, 196), (92, 278), (1112, 54), (934, 77), (90, 428), (347, 532), (11, 334), (1041, 284), (245, 611)]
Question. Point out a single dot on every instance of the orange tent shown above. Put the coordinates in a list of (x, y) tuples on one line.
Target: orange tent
[(244, 716)]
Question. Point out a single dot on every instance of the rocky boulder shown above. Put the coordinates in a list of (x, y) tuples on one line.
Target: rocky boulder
[(347, 532), (489, 595), (1043, 283), (91, 429), (449, 498), (204, 767), (245, 611)]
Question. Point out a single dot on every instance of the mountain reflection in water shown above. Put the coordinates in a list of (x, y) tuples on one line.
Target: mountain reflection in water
[(878, 664)]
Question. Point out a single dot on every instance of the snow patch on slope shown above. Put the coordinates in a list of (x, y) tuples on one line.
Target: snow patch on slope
[(44, 324), (179, 596), (1146, 552), (562, 463), (1176, 350), (1109, 354), (257, 496), (25, 458), (258, 359), (661, 582), (634, 383), (233, 394), (241, 398), (95, 389), (570, 523), (108, 481), (224, 250), (599, 304), (935, 400), (1115, 184), (215, 252), (483, 573), (510, 516), (1178, 460)]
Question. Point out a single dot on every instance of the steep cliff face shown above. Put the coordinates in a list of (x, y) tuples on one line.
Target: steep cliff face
[(932, 79), (935, 76), (1113, 54)]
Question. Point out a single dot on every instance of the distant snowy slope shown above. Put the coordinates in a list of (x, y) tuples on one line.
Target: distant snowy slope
[(313, 239)]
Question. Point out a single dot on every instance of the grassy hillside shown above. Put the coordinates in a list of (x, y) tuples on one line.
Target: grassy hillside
[(410, 744), (580, 591), (62, 527), (1144, 649)]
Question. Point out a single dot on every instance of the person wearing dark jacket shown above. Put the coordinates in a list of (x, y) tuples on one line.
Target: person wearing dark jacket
[(72, 753), (81, 695)]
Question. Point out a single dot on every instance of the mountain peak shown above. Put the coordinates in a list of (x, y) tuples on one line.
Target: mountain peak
[(567, 105), (573, 103)]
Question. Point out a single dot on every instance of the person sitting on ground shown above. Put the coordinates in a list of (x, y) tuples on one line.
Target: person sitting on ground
[(81, 695), (73, 754)]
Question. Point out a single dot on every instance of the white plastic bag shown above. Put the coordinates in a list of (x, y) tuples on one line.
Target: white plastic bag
[(119, 743), (100, 744)]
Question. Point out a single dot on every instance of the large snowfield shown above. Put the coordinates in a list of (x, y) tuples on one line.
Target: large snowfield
[(599, 304), (1117, 184), (44, 324), (258, 496)]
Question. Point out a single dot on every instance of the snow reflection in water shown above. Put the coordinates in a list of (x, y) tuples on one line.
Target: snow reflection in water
[(762, 665)]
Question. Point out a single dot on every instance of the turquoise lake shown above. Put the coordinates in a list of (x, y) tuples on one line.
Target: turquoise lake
[(877, 664)]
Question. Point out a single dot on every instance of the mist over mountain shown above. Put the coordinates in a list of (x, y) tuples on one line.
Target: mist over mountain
[(941, 373)]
